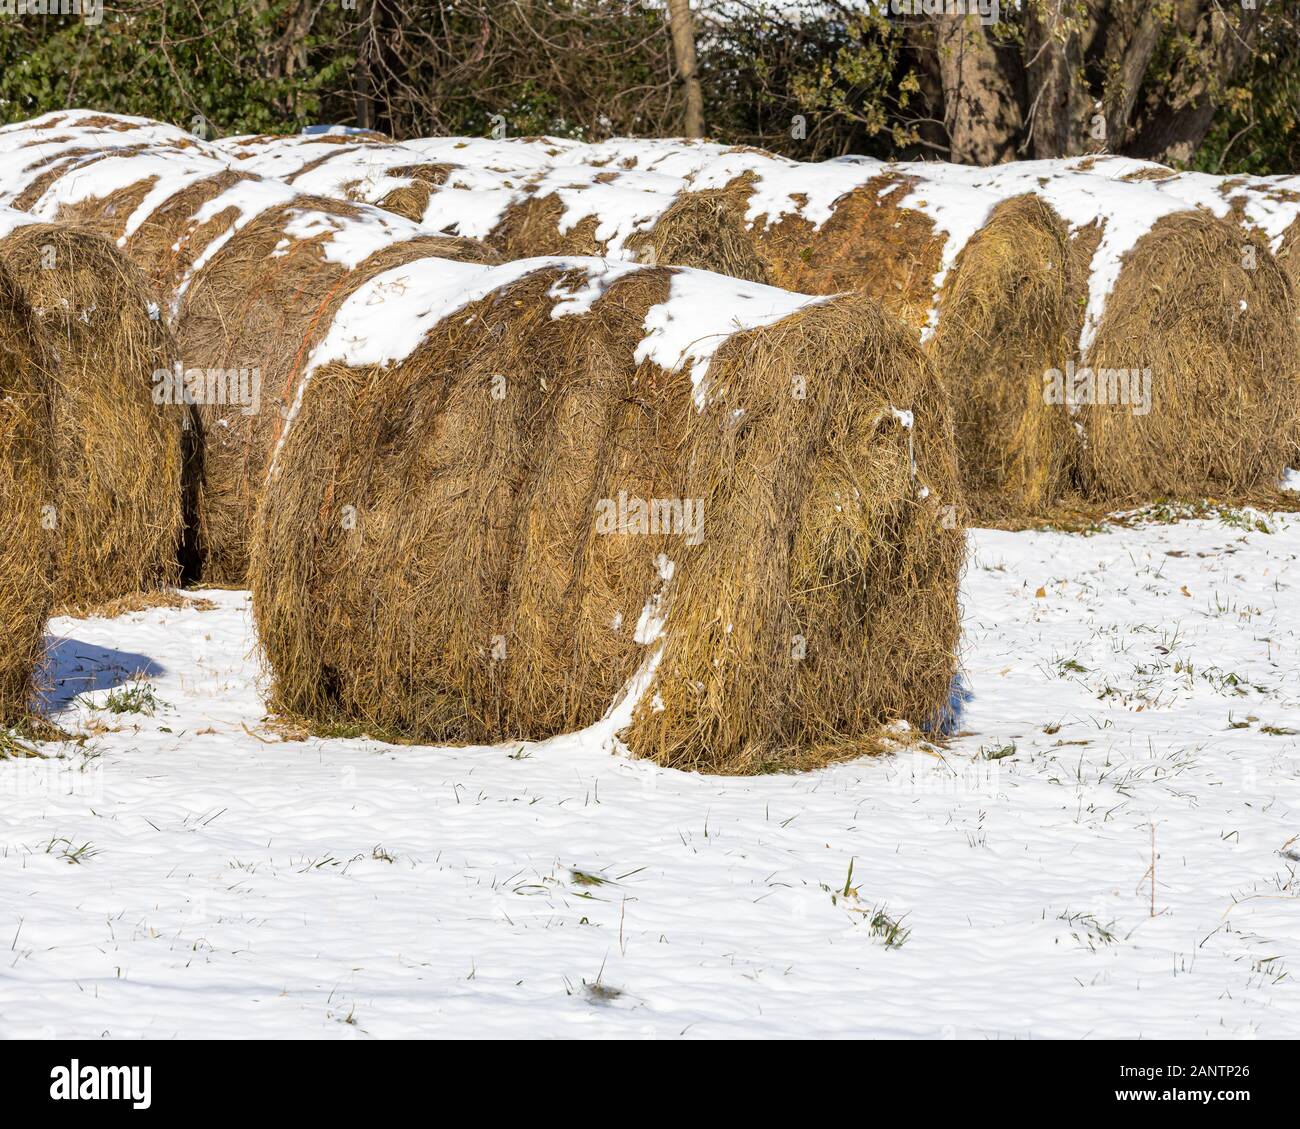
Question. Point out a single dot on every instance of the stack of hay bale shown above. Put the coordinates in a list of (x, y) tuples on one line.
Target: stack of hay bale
[(482, 501), (705, 489), (1109, 334)]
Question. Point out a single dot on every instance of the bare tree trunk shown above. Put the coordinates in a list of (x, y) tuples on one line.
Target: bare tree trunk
[(1060, 107), (1174, 130), (682, 27), (363, 78), (1128, 54), (981, 107)]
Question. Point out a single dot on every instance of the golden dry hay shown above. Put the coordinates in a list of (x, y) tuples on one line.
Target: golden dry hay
[(1206, 342), (869, 244), (117, 452), (1011, 310), (26, 493), (257, 307), (429, 559)]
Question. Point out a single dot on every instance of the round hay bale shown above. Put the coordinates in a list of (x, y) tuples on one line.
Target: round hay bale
[(26, 492), (245, 324), (1265, 210), (1191, 386), (117, 453), (492, 535), (1011, 310)]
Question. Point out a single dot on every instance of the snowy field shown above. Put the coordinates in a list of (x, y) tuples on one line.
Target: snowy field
[(189, 872)]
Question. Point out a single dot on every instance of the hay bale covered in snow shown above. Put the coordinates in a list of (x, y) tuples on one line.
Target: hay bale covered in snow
[(1184, 379), (57, 142), (1268, 206), (1010, 312), (508, 497), (1266, 211), (96, 129), (26, 492), (117, 453), (1192, 384)]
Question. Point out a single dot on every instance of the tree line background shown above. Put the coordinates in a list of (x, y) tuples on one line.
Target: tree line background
[(1211, 84)]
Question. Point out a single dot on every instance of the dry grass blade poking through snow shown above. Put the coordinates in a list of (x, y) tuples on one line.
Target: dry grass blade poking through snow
[(489, 532), (26, 492)]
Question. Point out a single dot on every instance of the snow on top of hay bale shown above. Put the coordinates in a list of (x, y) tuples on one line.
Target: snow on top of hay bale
[(96, 129), (958, 199), (387, 318), (463, 198), (622, 204), (472, 202), (673, 156), (100, 175), (11, 219), (1267, 204), (340, 166), (284, 156), (475, 202), (1125, 211), (314, 144), (519, 154)]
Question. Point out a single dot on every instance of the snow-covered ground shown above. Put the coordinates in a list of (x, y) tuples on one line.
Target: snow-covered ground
[(191, 873)]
